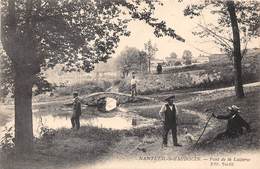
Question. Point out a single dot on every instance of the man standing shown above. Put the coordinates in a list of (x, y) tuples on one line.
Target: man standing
[(159, 68), (168, 114), (76, 111), (133, 86), (235, 123)]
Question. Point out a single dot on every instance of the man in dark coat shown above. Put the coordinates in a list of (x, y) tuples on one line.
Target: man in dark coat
[(235, 123), (76, 111), (159, 68), (168, 114)]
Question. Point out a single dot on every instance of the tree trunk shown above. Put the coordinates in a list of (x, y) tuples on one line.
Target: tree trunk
[(149, 65), (23, 112), (237, 51)]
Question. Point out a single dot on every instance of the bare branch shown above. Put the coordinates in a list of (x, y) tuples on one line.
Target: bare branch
[(217, 37)]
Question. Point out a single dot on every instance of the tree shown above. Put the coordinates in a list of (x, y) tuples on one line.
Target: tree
[(238, 22), (173, 55), (7, 77), (132, 59), (143, 61), (150, 51), (37, 35), (187, 56)]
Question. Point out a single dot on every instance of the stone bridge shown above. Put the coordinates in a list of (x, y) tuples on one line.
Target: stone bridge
[(121, 98)]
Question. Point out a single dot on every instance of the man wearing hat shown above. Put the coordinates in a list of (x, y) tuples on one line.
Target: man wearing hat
[(168, 114), (76, 111), (133, 86), (235, 123)]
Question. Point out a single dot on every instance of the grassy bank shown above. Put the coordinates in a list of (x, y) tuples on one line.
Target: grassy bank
[(65, 91), (66, 147), (249, 111)]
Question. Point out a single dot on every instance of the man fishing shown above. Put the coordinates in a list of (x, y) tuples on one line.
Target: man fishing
[(235, 123), (168, 114)]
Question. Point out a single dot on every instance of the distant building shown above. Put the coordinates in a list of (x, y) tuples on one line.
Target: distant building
[(218, 58), (156, 61), (202, 59), (223, 58), (170, 61)]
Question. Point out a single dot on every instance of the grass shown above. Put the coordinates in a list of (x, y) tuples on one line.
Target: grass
[(67, 147), (218, 104), (249, 111), (3, 118), (90, 144)]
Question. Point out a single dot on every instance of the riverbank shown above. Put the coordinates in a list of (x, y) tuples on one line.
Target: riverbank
[(92, 145)]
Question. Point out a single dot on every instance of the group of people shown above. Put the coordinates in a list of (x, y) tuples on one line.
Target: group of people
[(168, 115)]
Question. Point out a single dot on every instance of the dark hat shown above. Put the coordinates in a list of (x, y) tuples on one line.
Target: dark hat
[(172, 97)]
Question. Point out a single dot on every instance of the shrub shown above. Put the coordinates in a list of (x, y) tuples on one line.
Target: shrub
[(187, 62), (47, 134), (84, 88), (7, 141), (177, 63), (124, 86)]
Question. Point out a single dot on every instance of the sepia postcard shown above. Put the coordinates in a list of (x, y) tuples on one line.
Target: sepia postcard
[(129, 84)]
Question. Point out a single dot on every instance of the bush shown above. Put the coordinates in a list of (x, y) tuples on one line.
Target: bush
[(84, 88), (47, 134), (7, 142), (124, 87), (187, 62), (177, 63)]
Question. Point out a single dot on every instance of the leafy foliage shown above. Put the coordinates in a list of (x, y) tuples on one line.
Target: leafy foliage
[(187, 56), (6, 74), (7, 78), (47, 134), (150, 49), (7, 143), (76, 34), (132, 59), (42, 85), (38, 35), (173, 55)]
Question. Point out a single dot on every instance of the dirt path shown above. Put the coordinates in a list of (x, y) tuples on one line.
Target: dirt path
[(136, 148)]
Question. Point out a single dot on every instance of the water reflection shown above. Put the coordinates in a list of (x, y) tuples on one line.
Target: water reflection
[(119, 121), (110, 104), (106, 104), (56, 122)]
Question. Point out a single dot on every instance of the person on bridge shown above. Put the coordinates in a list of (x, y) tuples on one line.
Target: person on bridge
[(235, 123), (133, 86), (168, 115), (75, 121)]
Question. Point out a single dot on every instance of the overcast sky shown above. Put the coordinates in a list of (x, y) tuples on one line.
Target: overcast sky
[(172, 13)]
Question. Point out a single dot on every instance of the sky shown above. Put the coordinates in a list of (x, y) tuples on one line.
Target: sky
[(172, 13)]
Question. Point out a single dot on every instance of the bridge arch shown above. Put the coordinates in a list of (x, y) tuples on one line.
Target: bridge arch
[(121, 98)]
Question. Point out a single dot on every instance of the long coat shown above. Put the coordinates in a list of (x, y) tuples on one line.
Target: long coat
[(76, 107)]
